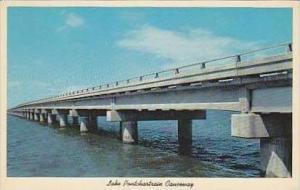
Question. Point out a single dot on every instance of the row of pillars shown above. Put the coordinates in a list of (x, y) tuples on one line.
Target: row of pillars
[(88, 120), (128, 129), (85, 122), (273, 130)]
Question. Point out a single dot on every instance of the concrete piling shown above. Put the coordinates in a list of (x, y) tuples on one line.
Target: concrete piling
[(62, 119), (129, 132), (275, 133), (185, 135), (83, 122)]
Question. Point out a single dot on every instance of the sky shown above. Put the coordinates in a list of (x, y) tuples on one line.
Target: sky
[(54, 50)]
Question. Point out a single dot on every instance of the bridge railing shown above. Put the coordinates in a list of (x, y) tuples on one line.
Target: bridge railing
[(203, 66)]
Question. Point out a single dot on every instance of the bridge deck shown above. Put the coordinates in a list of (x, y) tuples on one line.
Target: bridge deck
[(219, 85)]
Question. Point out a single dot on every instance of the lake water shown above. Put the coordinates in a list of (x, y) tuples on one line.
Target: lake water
[(41, 150)]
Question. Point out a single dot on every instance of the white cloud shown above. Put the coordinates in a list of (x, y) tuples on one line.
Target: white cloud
[(181, 48), (71, 20)]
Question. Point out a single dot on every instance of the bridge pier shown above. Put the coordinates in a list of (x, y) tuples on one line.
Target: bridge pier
[(88, 122), (93, 121), (83, 123), (276, 157), (50, 118), (61, 116), (86, 119), (184, 135), (42, 117), (75, 121), (30, 115), (36, 115), (129, 132), (75, 117), (275, 133), (62, 119), (129, 118)]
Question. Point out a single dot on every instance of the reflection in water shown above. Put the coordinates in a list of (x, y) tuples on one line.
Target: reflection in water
[(36, 150)]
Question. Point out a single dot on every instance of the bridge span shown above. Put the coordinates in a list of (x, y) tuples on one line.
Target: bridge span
[(256, 85)]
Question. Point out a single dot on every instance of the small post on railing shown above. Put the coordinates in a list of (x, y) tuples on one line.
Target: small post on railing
[(176, 71), (203, 65), (107, 85), (117, 83), (128, 81), (238, 58), (290, 47), (156, 75), (141, 78)]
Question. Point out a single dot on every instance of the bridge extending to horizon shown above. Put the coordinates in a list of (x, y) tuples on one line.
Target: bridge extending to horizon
[(256, 85)]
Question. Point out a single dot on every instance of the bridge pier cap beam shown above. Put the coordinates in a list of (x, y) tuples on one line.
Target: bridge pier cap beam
[(132, 115), (275, 133)]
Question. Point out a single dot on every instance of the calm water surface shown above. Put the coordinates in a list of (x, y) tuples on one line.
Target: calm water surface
[(40, 150)]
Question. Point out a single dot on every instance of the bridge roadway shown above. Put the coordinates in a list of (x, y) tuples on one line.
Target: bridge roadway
[(257, 88)]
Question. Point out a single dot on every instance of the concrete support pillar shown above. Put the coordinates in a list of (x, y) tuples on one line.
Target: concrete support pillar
[(185, 135), (30, 116), (83, 122), (50, 119), (36, 116), (276, 157), (129, 132), (120, 131), (275, 133), (92, 122), (75, 120), (62, 118), (42, 117)]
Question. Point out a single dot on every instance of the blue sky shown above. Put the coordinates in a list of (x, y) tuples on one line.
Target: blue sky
[(52, 50)]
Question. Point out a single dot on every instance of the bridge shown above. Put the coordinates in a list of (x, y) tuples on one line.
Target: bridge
[(256, 86)]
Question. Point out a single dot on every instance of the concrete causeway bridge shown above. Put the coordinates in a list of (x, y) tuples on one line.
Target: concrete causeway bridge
[(256, 85)]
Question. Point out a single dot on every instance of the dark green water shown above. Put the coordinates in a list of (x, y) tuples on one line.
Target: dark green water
[(40, 150)]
